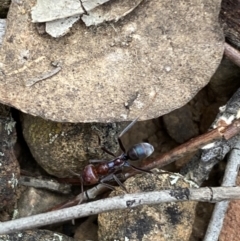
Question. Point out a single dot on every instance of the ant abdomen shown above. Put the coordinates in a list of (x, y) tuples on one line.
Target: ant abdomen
[(140, 151)]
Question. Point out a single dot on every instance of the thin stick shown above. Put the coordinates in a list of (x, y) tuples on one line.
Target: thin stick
[(232, 54), (191, 146), (184, 149), (46, 184), (230, 176), (122, 202)]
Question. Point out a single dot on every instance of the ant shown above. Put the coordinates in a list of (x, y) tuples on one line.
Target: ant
[(105, 170), (101, 171)]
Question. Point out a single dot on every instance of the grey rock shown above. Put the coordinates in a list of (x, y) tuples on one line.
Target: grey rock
[(45, 11), (172, 54)]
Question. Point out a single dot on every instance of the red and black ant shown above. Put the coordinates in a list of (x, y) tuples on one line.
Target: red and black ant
[(101, 171), (105, 170)]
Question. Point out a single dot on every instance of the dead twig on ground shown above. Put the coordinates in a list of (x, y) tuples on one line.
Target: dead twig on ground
[(205, 194), (45, 184), (201, 164), (232, 54), (230, 176)]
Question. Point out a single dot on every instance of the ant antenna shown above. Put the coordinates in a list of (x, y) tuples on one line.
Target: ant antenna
[(132, 123)]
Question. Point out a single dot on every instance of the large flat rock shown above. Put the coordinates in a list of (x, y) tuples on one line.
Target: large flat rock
[(110, 72)]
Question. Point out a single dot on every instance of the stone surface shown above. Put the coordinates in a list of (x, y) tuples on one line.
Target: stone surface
[(60, 27), (166, 221), (87, 230), (226, 80), (34, 201), (113, 11), (9, 167), (45, 11), (91, 4), (91, 13), (5, 110), (202, 218), (2, 29), (36, 234), (209, 115), (180, 125), (110, 72), (230, 229), (4, 6), (229, 19), (63, 148)]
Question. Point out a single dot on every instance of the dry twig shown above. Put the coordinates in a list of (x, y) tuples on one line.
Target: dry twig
[(232, 54), (230, 176), (46, 184), (122, 202), (199, 167)]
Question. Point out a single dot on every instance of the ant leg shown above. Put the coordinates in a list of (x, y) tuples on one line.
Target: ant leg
[(103, 147), (124, 131), (92, 161), (147, 171), (108, 178), (121, 145), (107, 151), (119, 183), (138, 169), (107, 185), (81, 180)]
